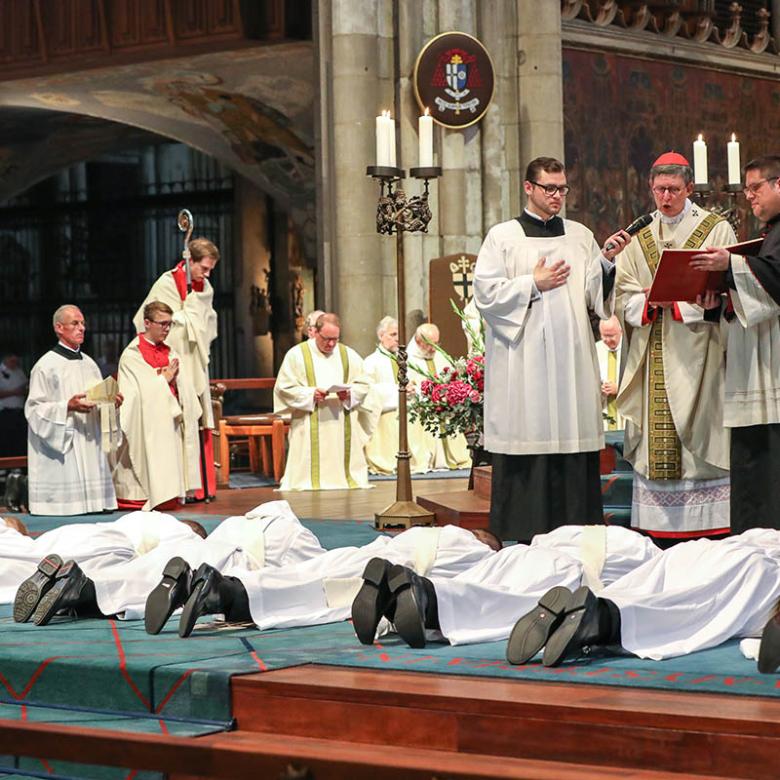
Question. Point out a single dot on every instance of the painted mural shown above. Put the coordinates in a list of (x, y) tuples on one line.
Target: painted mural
[(621, 112)]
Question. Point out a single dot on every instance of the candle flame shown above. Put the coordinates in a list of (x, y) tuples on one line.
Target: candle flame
[(427, 111), (733, 137), (701, 138)]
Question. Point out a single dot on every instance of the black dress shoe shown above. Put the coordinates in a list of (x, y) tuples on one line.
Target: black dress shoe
[(587, 622), (168, 595), (532, 631), (415, 605), (372, 601), (769, 649), (213, 594), (72, 590), (34, 588)]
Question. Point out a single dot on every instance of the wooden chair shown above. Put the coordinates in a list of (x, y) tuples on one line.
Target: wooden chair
[(266, 433)]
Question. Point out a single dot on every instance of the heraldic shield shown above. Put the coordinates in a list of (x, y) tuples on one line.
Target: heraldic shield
[(450, 278)]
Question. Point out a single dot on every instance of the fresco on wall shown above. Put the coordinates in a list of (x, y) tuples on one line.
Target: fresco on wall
[(621, 112)]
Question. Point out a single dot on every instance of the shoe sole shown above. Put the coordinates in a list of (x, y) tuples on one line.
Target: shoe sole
[(558, 644), (189, 616), (365, 607), (159, 604), (408, 620), (34, 588), (769, 649), (532, 632), (49, 605)]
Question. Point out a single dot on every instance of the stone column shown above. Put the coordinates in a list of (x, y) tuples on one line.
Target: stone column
[(355, 56), (540, 79)]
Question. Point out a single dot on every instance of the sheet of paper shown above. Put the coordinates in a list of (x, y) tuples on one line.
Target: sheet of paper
[(338, 388)]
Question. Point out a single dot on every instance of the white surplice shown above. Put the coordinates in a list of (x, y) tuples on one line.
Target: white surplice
[(698, 594), (542, 390), (327, 440), (151, 464), (484, 603), (68, 471)]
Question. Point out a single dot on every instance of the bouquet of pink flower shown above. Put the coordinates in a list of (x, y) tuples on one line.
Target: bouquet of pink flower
[(451, 402)]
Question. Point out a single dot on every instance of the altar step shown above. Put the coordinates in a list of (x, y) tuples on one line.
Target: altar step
[(601, 732)]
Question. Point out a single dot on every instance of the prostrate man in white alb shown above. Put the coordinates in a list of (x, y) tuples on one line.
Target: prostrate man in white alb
[(158, 410), (671, 394), (482, 603), (610, 351), (322, 590), (382, 371), (321, 384), (194, 328), (535, 279), (429, 452), (68, 470)]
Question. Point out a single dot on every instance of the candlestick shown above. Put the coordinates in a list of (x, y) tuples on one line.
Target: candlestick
[(732, 148), (425, 132), (700, 161)]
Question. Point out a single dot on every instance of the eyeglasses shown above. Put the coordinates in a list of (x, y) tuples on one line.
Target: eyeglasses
[(164, 324), (752, 189), (673, 191), (330, 339), (551, 189)]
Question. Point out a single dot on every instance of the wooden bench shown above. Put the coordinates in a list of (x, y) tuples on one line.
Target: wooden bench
[(14, 462), (266, 432)]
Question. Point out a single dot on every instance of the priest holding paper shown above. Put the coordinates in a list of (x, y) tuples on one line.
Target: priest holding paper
[(671, 393), (158, 409), (322, 385), (68, 467), (752, 397), (535, 279)]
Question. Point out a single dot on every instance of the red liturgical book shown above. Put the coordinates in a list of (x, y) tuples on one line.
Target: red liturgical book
[(675, 280), (752, 247)]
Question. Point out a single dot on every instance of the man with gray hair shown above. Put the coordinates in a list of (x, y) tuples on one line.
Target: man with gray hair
[(671, 393), (383, 372), (429, 452), (68, 470)]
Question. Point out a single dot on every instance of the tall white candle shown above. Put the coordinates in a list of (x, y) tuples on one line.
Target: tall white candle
[(732, 148), (700, 161), (382, 149), (425, 132), (391, 140)]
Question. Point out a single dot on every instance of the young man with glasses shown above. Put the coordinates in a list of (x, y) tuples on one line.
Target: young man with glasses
[(68, 471), (535, 279), (671, 393), (193, 329), (752, 397), (160, 408)]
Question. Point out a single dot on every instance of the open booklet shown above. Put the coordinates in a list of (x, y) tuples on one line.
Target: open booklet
[(103, 395), (675, 280), (338, 388)]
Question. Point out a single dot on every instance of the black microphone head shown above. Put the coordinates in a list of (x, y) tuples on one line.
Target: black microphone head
[(639, 223)]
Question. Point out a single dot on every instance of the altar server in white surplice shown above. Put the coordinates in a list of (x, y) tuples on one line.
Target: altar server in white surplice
[(68, 470), (321, 384), (429, 452), (691, 597), (322, 590), (159, 406), (483, 603), (382, 371), (535, 278)]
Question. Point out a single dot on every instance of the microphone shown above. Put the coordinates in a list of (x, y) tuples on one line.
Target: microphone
[(634, 227)]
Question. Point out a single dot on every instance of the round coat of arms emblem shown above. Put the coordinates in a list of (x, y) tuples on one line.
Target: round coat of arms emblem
[(454, 79)]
